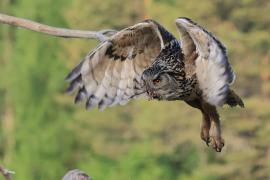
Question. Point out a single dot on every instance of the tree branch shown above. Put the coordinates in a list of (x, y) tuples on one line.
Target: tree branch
[(54, 31), (6, 173)]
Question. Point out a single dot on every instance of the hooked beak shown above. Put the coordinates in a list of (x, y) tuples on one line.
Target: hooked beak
[(152, 95)]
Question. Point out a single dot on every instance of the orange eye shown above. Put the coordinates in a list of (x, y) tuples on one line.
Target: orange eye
[(156, 81)]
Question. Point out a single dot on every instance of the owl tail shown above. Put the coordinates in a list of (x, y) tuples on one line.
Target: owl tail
[(233, 99)]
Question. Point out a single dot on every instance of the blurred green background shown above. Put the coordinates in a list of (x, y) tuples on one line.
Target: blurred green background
[(43, 134)]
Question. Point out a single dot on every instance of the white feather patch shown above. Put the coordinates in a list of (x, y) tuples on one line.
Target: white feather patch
[(213, 71)]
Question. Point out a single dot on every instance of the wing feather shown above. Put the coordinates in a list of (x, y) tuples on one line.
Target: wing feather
[(213, 71), (111, 73)]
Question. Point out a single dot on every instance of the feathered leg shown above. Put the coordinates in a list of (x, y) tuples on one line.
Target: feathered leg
[(206, 123), (210, 127), (205, 127), (216, 139)]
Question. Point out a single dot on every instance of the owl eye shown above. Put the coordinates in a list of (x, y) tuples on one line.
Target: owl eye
[(156, 81)]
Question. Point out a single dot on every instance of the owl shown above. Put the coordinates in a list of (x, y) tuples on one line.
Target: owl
[(145, 60)]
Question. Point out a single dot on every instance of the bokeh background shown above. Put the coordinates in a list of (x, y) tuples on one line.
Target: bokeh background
[(43, 134)]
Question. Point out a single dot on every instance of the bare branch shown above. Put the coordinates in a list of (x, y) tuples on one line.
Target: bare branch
[(54, 31), (76, 174), (6, 173)]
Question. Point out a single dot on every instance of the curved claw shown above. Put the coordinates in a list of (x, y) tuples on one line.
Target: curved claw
[(205, 137), (217, 144), (207, 142)]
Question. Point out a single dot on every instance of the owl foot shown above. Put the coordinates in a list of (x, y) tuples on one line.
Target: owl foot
[(205, 128), (216, 141), (205, 135)]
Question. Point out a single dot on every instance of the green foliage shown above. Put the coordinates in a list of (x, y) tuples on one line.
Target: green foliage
[(43, 134)]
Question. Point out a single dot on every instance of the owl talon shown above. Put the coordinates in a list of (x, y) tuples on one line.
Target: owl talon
[(207, 142), (217, 143)]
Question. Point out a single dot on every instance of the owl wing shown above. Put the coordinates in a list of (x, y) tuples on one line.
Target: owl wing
[(111, 73), (213, 71)]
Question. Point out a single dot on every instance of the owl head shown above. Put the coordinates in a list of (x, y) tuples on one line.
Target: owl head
[(159, 83)]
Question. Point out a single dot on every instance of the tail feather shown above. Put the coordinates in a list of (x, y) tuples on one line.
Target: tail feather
[(233, 99)]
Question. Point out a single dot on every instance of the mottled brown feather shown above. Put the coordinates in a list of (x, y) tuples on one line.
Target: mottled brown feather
[(111, 73)]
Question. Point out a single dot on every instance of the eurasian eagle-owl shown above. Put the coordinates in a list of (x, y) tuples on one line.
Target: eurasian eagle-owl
[(147, 60)]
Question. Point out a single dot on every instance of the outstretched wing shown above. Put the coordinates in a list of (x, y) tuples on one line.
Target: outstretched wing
[(212, 68), (111, 73)]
